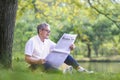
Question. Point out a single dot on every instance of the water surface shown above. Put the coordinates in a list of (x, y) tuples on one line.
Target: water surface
[(106, 67)]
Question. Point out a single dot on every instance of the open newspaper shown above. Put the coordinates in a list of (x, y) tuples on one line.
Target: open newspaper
[(61, 50)]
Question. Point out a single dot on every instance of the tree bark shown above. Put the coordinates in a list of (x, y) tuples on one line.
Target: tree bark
[(8, 10), (89, 50)]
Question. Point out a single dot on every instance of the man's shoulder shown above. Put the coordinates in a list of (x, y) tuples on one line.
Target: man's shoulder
[(32, 38)]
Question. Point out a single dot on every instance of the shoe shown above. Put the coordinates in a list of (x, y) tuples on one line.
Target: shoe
[(69, 69), (89, 71), (81, 69), (84, 70)]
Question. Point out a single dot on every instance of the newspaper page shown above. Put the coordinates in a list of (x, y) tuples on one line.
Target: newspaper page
[(56, 59), (61, 50), (63, 45)]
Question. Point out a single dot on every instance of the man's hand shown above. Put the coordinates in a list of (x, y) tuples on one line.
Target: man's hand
[(31, 60), (72, 46), (41, 61)]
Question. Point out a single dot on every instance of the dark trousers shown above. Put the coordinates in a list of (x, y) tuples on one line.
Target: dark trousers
[(71, 61), (46, 66)]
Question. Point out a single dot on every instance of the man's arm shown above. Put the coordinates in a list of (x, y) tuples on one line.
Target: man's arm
[(31, 60)]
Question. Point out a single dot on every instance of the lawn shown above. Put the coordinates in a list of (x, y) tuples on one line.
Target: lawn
[(20, 71)]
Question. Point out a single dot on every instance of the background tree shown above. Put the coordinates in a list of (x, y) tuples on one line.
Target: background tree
[(7, 22), (81, 17)]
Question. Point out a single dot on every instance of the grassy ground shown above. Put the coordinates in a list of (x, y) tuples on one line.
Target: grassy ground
[(20, 71), (52, 76)]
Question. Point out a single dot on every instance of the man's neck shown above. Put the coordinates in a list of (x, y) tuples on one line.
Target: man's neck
[(41, 38)]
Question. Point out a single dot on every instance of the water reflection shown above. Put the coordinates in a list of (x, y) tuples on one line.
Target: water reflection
[(106, 67)]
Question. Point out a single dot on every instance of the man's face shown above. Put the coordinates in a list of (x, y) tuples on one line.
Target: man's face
[(45, 33)]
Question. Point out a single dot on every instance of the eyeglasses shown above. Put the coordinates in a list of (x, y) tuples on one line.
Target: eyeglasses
[(48, 31)]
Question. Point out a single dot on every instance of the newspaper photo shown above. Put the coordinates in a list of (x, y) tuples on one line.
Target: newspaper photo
[(61, 50)]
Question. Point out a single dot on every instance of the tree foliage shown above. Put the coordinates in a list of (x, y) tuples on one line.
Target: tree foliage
[(95, 21)]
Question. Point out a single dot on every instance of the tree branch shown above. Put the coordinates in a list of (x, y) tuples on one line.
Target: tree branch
[(106, 15)]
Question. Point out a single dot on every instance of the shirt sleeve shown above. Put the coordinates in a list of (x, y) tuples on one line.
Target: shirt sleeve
[(29, 48), (52, 45)]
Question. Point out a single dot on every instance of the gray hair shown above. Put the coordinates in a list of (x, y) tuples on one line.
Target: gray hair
[(42, 26)]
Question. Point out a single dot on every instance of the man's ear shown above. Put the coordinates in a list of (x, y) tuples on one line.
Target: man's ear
[(40, 31)]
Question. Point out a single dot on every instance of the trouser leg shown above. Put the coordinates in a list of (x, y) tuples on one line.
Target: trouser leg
[(71, 61), (48, 66), (45, 67)]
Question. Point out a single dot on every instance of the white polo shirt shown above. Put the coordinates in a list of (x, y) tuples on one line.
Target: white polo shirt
[(38, 49)]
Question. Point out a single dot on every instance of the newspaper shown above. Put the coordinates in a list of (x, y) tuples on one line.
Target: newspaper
[(61, 50)]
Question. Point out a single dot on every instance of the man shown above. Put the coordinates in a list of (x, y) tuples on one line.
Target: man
[(39, 46)]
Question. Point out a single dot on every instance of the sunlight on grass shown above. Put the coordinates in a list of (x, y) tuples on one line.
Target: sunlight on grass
[(20, 71), (27, 75)]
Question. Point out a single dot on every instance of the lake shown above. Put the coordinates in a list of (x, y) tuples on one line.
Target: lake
[(106, 67)]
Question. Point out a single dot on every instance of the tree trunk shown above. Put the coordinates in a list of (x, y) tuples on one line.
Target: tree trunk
[(8, 10), (89, 50), (96, 50)]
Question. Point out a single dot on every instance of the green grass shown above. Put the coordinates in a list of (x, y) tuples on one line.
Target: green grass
[(25, 75), (20, 71)]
